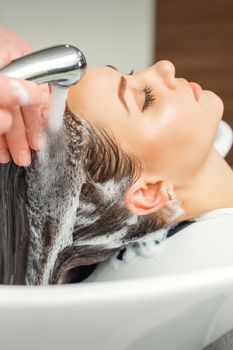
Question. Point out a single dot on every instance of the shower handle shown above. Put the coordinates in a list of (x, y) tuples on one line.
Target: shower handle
[(61, 65)]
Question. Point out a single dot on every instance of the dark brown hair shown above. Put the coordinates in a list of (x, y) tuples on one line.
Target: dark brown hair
[(103, 161), (27, 235)]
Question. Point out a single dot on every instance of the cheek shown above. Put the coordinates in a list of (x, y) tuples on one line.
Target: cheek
[(174, 142), (172, 128)]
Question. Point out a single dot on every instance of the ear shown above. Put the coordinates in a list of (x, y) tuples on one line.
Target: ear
[(146, 197)]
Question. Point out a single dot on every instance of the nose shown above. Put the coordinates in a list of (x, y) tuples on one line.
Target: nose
[(167, 71)]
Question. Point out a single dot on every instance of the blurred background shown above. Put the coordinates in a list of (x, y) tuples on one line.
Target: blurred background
[(117, 32), (197, 36)]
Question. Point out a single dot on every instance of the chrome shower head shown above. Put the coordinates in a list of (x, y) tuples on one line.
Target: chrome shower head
[(61, 65)]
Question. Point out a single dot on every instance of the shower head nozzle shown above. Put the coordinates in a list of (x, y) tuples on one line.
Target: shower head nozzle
[(61, 65)]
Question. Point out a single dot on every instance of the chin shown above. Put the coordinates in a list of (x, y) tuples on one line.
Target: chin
[(213, 103)]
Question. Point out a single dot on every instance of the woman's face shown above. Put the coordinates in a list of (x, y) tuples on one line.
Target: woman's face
[(151, 114)]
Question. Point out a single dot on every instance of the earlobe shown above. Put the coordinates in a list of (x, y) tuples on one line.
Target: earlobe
[(146, 197)]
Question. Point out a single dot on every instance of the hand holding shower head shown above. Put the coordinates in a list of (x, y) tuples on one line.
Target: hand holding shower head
[(61, 65)]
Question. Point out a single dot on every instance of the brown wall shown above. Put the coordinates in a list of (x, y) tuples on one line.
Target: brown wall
[(197, 36)]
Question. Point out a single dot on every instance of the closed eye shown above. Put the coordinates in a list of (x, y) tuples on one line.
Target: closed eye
[(149, 98)]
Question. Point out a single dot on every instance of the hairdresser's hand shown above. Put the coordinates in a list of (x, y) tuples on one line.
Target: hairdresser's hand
[(23, 106)]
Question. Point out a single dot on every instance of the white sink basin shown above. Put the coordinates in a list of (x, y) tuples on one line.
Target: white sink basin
[(224, 138)]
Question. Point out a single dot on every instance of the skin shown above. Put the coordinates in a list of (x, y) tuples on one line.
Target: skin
[(21, 123), (173, 138)]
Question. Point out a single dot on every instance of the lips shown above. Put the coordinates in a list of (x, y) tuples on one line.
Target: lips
[(196, 90)]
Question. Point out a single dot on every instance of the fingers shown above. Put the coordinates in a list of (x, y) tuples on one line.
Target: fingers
[(23, 114), (33, 125), (17, 140), (4, 154), (5, 121), (35, 119), (45, 109), (23, 106), (21, 92)]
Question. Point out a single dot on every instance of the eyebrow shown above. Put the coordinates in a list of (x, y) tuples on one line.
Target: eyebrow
[(121, 92), (110, 66)]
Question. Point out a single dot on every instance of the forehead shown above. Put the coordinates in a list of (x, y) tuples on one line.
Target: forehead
[(95, 75), (93, 80), (94, 96)]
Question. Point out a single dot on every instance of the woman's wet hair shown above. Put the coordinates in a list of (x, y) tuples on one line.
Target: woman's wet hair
[(102, 213), (83, 175)]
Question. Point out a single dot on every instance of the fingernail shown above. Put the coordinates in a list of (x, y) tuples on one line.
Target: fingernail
[(19, 91), (24, 158), (4, 156), (36, 141), (45, 98)]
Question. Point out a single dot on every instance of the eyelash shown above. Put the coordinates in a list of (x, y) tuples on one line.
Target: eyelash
[(149, 98)]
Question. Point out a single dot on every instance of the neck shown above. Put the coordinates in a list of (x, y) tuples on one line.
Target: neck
[(211, 188)]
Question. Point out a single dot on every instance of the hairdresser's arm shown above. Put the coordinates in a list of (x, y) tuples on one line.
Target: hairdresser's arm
[(23, 105)]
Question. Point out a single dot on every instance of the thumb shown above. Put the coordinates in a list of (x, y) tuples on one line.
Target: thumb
[(5, 57)]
